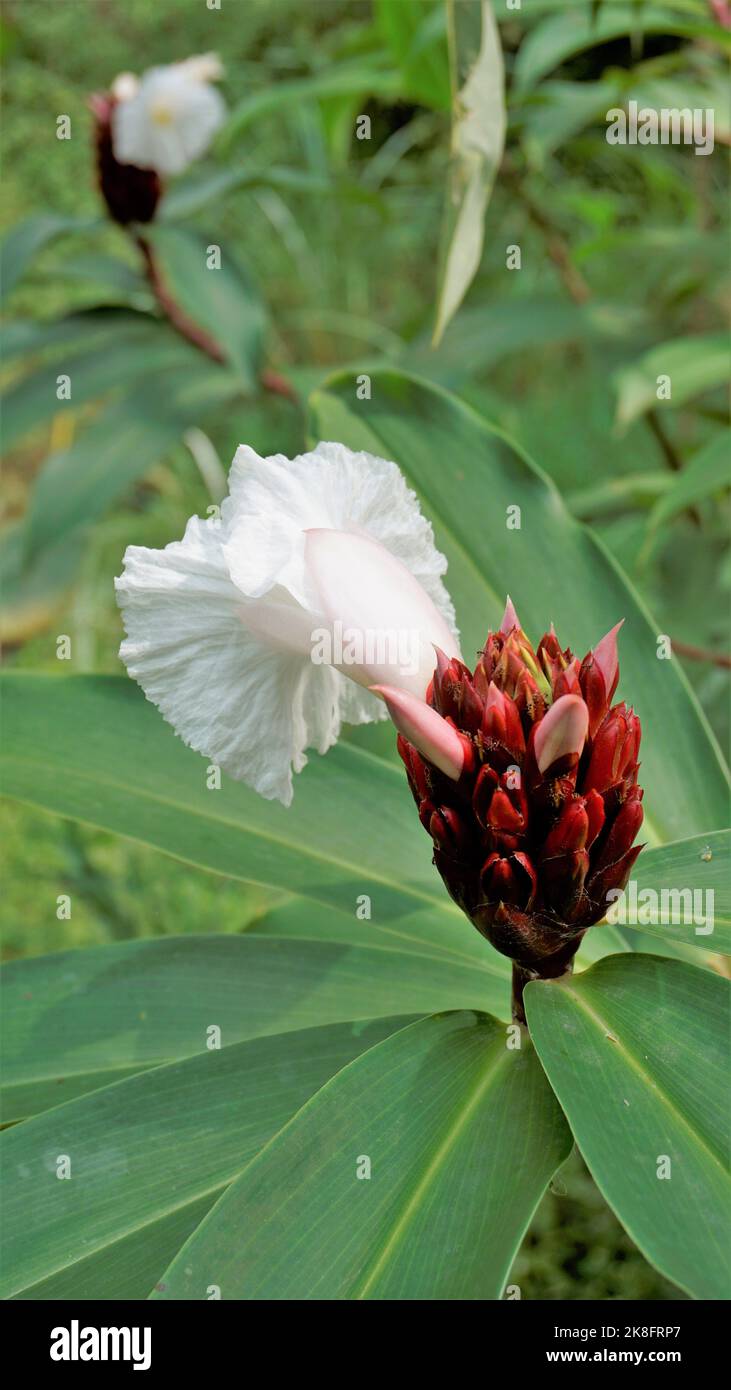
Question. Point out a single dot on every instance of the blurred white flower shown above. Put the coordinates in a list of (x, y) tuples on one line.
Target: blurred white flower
[(168, 117), (225, 628)]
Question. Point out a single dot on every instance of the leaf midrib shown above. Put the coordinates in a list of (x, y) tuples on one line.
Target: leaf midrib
[(636, 1065), (435, 1164)]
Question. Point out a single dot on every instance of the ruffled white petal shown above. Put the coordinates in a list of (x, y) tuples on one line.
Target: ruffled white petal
[(220, 625), (226, 694), (274, 501)]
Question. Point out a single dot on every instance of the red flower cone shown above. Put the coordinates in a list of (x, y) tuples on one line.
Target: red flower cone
[(131, 194), (527, 784)]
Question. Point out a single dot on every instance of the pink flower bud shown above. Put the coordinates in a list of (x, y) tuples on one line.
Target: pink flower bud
[(432, 735), (562, 732)]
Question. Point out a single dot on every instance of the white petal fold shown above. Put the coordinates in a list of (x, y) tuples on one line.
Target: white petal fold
[(251, 634)]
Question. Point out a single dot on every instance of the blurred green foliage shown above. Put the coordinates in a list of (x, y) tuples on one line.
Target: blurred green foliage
[(621, 250)]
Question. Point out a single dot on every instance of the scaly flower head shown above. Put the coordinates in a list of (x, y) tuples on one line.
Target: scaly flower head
[(529, 792)]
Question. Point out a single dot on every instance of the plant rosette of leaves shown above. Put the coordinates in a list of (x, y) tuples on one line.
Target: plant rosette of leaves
[(336, 1104)]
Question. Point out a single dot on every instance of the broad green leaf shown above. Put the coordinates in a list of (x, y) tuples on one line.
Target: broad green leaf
[(481, 336), (462, 1136), (695, 877), (478, 135), (124, 282), (556, 111), (694, 365), (77, 1020), (636, 1050), (93, 749), (190, 194), (708, 472), (101, 327), (364, 77), (619, 494), (572, 31), (149, 1156), (222, 300), (31, 593), (29, 237), (433, 931), (415, 33), (468, 476), (123, 442), (33, 400)]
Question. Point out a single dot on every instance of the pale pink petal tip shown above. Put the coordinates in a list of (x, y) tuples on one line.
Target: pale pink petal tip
[(562, 731), (434, 738), (510, 618), (606, 656)]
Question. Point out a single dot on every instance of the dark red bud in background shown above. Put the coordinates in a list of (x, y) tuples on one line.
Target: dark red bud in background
[(131, 194)]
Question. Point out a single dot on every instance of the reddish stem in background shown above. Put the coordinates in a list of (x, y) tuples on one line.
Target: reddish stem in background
[(185, 326), (179, 320), (701, 654)]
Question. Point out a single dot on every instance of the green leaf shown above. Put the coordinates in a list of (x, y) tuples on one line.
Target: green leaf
[(30, 594), (124, 441), (559, 110), (28, 238), (77, 1020), (484, 334), (699, 871), (149, 1156), (101, 327), (92, 748), (122, 281), (694, 365), (478, 135), (415, 33), (462, 1135), (222, 301), (636, 1050), (554, 568), (33, 401), (190, 194), (434, 931), (708, 472), (364, 77), (563, 35)]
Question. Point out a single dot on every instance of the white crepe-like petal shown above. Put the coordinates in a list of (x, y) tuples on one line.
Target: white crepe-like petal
[(275, 500), (220, 625), (170, 119), (227, 695)]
